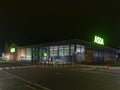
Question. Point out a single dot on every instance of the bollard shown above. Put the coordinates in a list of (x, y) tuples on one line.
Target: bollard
[(107, 66), (55, 65)]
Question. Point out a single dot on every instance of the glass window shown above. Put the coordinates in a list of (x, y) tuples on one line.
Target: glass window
[(66, 50), (55, 53), (61, 51), (36, 49), (51, 47), (72, 50), (51, 51), (78, 46), (55, 47), (66, 53), (33, 54), (77, 50), (55, 50), (72, 46), (82, 50), (33, 49)]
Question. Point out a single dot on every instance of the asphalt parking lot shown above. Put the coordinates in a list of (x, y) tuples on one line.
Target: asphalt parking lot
[(36, 77), (79, 78)]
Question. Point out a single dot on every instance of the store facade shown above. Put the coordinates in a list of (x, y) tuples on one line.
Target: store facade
[(67, 51)]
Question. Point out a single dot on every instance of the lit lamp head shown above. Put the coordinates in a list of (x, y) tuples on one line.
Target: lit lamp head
[(12, 50), (99, 40)]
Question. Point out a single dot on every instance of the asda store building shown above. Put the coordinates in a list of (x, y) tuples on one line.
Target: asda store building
[(67, 51)]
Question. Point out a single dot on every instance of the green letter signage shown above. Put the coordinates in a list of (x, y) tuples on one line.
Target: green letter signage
[(98, 40), (12, 50)]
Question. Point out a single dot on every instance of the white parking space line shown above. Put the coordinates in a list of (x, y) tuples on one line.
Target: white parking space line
[(34, 66), (7, 76), (24, 67), (18, 67), (31, 87), (6, 68), (13, 67), (29, 82), (1, 68)]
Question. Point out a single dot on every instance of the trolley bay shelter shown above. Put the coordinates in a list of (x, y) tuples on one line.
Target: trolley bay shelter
[(67, 51)]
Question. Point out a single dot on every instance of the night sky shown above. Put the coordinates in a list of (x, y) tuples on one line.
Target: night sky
[(30, 22)]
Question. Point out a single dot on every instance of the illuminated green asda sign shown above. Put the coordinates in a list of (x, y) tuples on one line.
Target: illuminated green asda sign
[(12, 50), (99, 40), (45, 54)]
